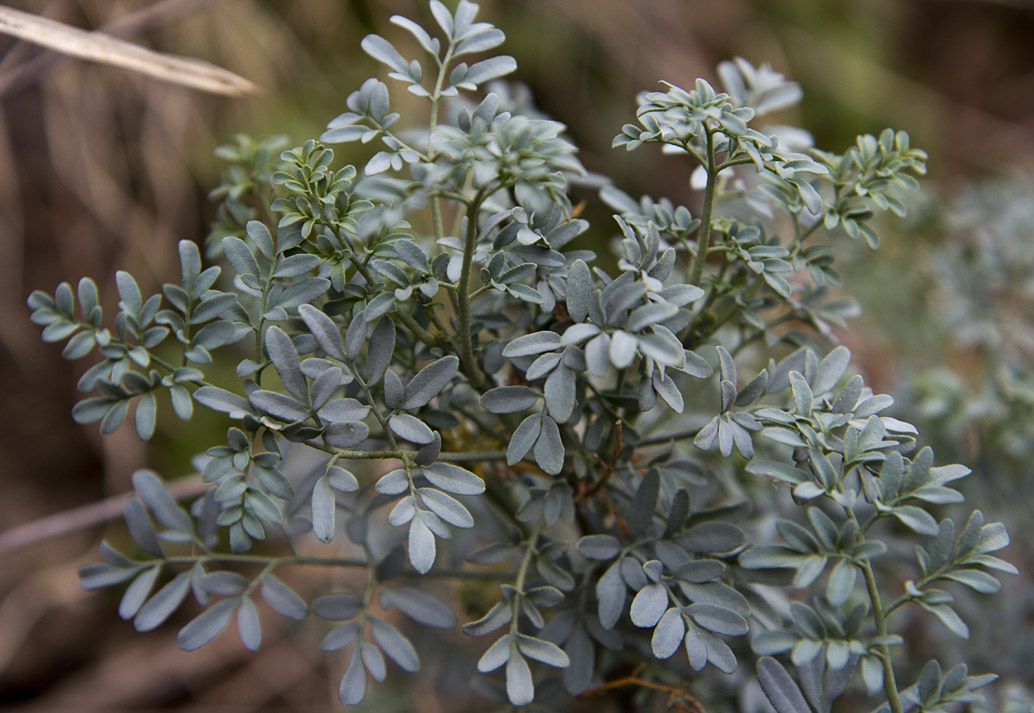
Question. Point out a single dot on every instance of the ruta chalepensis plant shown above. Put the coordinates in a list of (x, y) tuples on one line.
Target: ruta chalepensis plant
[(433, 385)]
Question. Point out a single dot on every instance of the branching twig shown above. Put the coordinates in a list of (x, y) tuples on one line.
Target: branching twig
[(674, 694)]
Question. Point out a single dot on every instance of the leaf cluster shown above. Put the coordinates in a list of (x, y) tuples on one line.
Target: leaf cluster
[(432, 380)]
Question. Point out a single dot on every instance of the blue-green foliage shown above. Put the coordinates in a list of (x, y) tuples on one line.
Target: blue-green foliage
[(426, 342)]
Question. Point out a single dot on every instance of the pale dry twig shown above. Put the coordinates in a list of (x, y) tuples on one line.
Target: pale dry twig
[(99, 47)]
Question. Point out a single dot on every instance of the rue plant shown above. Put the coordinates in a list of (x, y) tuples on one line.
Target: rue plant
[(435, 382)]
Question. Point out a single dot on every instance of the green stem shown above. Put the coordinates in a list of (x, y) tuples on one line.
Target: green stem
[(668, 438), (734, 162), (166, 365), (404, 455), (890, 687), (272, 563), (436, 95), (466, 341), (472, 457), (376, 411), (801, 237), (522, 573), (704, 242)]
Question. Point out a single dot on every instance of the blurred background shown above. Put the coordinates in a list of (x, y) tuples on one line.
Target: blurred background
[(103, 169)]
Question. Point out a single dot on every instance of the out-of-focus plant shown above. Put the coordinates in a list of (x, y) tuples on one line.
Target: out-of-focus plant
[(972, 267), (427, 371), (981, 287)]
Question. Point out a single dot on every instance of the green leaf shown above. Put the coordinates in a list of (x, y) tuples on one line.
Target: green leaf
[(248, 626), (453, 479), (206, 626), (916, 519), (780, 690), (283, 599), (165, 601), (241, 258), (285, 359), (394, 644), (780, 471), (430, 381), (549, 448), (323, 329), (152, 491), (641, 512), (383, 51), (146, 415), (324, 506), (128, 291), (802, 395), (949, 617), (140, 527), (137, 592)]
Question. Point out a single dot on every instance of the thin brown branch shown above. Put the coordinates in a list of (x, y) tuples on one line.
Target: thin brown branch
[(678, 697), (85, 516)]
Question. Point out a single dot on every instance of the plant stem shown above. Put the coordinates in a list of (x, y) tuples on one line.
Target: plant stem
[(634, 680), (376, 411), (436, 95), (89, 515), (677, 436), (522, 574), (166, 365), (890, 687), (400, 454), (704, 242), (274, 562), (473, 456), (802, 236), (470, 367)]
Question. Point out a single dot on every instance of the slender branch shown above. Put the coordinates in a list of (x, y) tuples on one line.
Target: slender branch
[(403, 455), (734, 162), (478, 291), (166, 365), (802, 236), (274, 562), (890, 687), (667, 438), (473, 456), (470, 368), (634, 680), (529, 553), (704, 242), (436, 95), (376, 411), (347, 454), (84, 516)]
